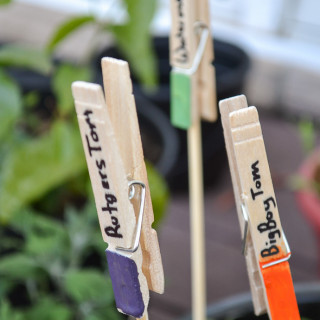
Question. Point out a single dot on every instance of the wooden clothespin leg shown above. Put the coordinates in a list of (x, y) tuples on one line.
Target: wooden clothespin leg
[(112, 144), (193, 97), (122, 110), (264, 243)]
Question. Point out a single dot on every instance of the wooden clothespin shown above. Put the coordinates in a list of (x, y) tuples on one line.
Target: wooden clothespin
[(193, 97), (193, 88), (264, 243), (111, 139)]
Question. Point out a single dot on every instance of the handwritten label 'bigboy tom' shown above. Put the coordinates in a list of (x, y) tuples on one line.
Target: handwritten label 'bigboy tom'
[(261, 203), (269, 226), (256, 185)]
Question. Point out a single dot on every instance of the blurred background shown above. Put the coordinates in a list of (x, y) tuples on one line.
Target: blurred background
[(52, 263)]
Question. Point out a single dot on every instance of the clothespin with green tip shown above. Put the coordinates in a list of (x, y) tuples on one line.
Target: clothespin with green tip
[(193, 97), (193, 93)]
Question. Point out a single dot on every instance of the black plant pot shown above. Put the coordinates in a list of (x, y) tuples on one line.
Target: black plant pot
[(231, 65), (240, 307)]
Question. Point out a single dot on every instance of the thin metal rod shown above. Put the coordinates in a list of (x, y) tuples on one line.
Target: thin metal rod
[(198, 269), (246, 229), (270, 264)]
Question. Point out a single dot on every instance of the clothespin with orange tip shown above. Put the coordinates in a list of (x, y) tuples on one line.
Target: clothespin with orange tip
[(111, 139), (193, 97), (265, 247)]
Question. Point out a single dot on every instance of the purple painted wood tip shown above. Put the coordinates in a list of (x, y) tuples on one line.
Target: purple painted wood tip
[(124, 276)]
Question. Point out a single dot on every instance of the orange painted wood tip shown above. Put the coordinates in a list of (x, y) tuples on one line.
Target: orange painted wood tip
[(280, 292)]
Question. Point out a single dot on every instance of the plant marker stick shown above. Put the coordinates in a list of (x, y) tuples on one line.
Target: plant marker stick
[(119, 181), (192, 98), (197, 222), (110, 187), (265, 246)]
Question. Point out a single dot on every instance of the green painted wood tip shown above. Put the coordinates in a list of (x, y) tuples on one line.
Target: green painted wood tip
[(180, 87)]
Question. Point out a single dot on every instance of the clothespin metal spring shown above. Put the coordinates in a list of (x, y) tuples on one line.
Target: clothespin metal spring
[(286, 258), (200, 51), (246, 227), (135, 245)]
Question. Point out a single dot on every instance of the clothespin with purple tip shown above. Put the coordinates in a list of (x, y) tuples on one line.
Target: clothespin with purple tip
[(112, 144)]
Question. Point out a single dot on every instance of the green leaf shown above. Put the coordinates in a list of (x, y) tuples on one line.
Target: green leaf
[(79, 228), (46, 239), (66, 29), (29, 58), (7, 313), (18, 266), (37, 165), (134, 40), (31, 99), (159, 194), (89, 285), (10, 104), (48, 242), (4, 2), (84, 233), (49, 309), (62, 80)]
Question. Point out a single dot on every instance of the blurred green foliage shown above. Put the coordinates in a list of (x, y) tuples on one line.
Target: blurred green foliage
[(4, 2), (66, 29), (52, 259), (10, 102), (50, 269), (36, 165), (132, 37), (19, 56)]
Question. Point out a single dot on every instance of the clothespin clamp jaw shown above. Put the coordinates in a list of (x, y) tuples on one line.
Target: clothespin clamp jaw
[(112, 144), (192, 77), (264, 244)]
